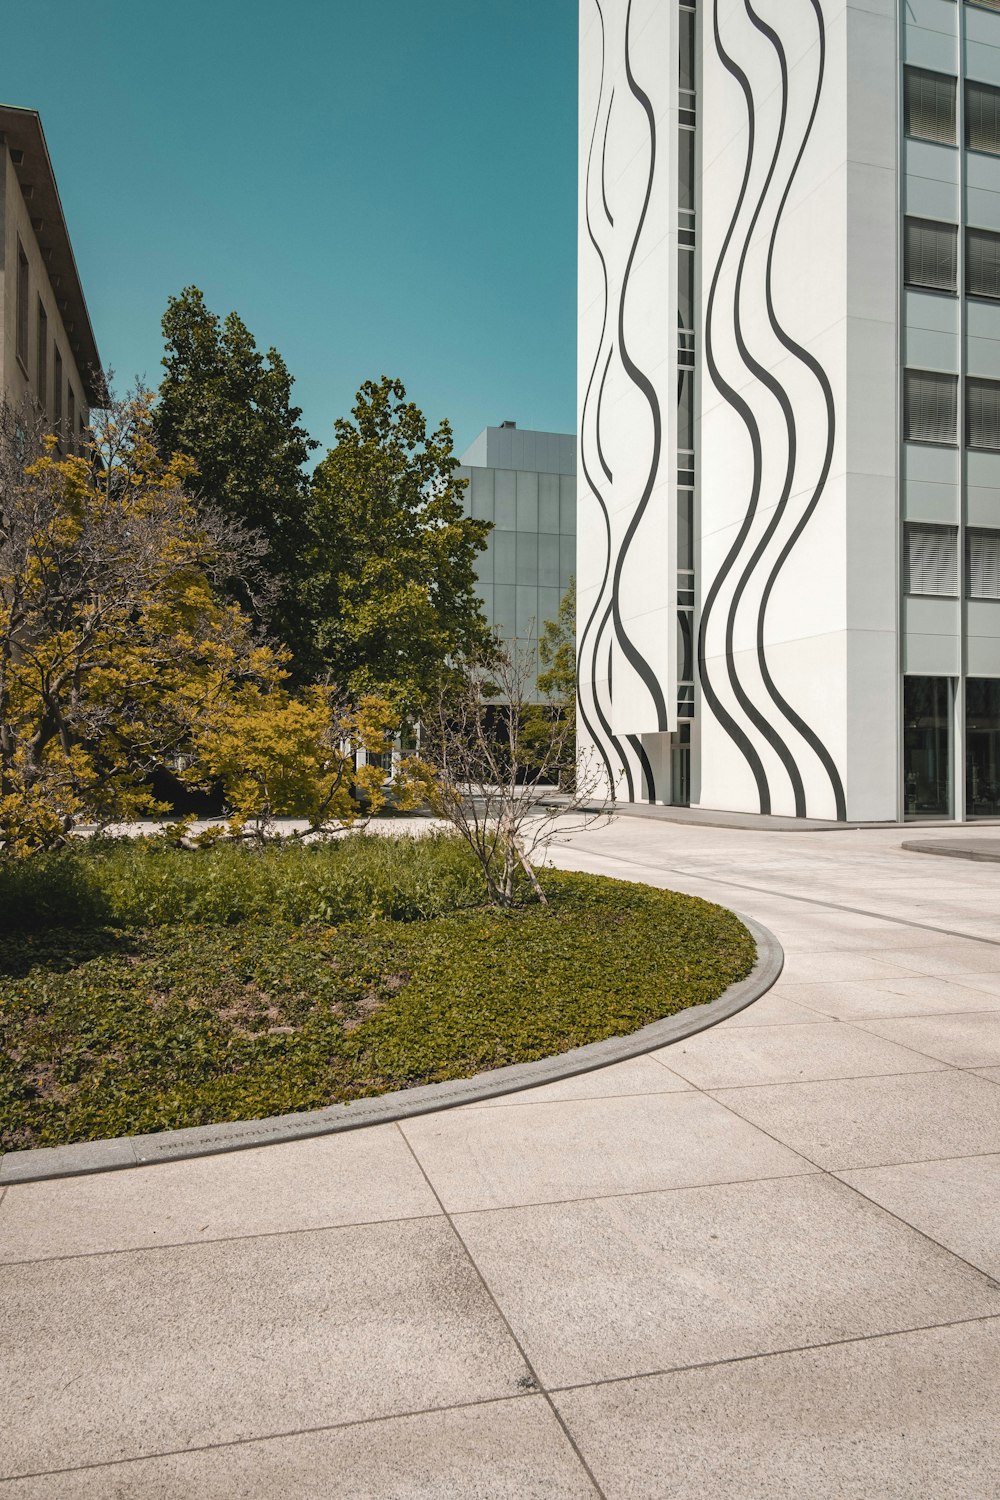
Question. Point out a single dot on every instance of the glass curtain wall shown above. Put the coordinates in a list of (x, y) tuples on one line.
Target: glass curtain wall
[(982, 747), (928, 721)]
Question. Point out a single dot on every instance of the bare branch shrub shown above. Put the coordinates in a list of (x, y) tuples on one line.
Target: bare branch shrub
[(496, 781)]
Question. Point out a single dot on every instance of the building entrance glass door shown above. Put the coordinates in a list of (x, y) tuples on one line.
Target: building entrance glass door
[(982, 747), (927, 747), (680, 767)]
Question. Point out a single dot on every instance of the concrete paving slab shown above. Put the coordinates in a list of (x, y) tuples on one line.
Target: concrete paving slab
[(788, 1054), (823, 968), (918, 995), (584, 1148), (775, 1008), (983, 984), (950, 959), (954, 1202), (912, 1417), (993, 1074), (964, 1041), (509, 1450), (872, 1122), (357, 1178), (625, 1286), (118, 1356), (639, 1075)]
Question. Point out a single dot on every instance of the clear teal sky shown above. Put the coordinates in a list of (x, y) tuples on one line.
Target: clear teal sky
[(376, 186)]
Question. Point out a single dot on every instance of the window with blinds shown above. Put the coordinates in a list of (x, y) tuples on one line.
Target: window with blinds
[(929, 106), (982, 117), (982, 414), (930, 254), (982, 563), (982, 261), (930, 559), (930, 407)]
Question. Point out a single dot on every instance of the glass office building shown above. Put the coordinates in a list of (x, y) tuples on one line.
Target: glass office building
[(789, 514), (525, 483)]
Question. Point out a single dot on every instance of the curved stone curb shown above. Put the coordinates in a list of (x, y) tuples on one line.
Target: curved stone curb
[(241, 1135)]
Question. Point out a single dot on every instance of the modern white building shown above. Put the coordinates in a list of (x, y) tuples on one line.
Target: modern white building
[(789, 510), (523, 481)]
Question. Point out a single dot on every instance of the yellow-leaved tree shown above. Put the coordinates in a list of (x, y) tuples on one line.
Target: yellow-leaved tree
[(121, 652)]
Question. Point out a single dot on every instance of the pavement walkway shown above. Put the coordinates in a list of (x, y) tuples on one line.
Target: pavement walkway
[(763, 1262)]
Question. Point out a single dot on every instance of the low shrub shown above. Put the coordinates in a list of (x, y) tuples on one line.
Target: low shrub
[(149, 882)]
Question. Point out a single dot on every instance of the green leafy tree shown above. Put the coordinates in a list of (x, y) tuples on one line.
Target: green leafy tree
[(556, 717), (228, 407), (390, 582)]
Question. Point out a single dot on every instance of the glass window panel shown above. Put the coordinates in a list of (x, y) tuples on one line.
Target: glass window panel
[(527, 502), (930, 560), (927, 747), (567, 504), (548, 607), (505, 609), (930, 407), (983, 414), (685, 410), (482, 494), (22, 305), (982, 563), (505, 499), (930, 106), (685, 169), (687, 49), (548, 503), (42, 358), (982, 263), (548, 561), (527, 612), (685, 288), (484, 561), (567, 560), (527, 557), (982, 747), (982, 117), (685, 528), (505, 557), (930, 254)]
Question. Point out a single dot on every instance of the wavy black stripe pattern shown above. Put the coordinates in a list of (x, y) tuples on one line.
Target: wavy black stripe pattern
[(608, 745), (645, 385), (747, 568)]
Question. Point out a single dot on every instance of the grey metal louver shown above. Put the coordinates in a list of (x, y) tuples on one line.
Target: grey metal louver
[(982, 261), (930, 254), (982, 419), (982, 117), (982, 564), (930, 558), (930, 100), (930, 407)]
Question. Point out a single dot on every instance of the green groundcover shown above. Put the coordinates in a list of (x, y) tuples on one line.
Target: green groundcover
[(111, 1028)]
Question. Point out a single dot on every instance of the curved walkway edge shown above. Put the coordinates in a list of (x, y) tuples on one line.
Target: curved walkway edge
[(240, 1135)]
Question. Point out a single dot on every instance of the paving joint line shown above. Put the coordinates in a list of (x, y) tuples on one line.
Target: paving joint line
[(222, 1239), (741, 1359), (673, 1187), (269, 1437), (712, 1089), (528, 1363)]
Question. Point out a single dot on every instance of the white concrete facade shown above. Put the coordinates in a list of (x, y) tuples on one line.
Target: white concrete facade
[(802, 637)]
